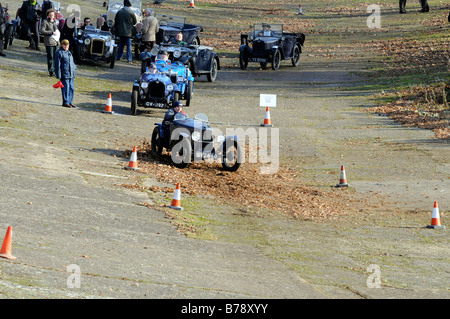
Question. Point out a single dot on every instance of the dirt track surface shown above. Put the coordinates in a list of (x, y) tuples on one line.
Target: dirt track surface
[(69, 200)]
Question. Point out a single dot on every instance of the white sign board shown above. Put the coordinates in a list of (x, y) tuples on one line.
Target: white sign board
[(269, 100)]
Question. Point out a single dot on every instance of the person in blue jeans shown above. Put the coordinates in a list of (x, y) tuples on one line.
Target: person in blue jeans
[(125, 21), (65, 71)]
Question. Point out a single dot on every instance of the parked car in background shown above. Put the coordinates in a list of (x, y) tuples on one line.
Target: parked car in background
[(115, 5), (169, 26), (95, 45), (269, 43)]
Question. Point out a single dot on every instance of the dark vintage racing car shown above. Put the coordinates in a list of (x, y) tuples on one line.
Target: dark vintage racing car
[(162, 84), (269, 43), (95, 45), (201, 60), (193, 140), (169, 26)]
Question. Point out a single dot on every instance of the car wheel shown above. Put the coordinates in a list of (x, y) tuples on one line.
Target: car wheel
[(276, 60), (189, 93), (77, 54), (156, 146), (181, 153), (296, 56), (136, 51), (113, 58), (213, 74), (243, 61), (134, 100), (232, 157)]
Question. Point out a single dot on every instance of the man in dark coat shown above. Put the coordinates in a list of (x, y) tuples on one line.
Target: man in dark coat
[(425, 7), (30, 17), (402, 5), (124, 23)]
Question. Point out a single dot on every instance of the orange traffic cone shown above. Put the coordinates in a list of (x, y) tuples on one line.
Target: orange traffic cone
[(176, 201), (435, 219), (300, 9), (267, 121), (5, 252), (132, 165), (108, 107), (191, 4), (343, 179)]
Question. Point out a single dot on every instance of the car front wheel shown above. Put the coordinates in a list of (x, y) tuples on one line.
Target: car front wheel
[(232, 157), (276, 60), (134, 100)]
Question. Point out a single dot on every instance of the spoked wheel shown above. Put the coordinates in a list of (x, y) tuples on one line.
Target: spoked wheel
[(213, 74), (156, 146), (232, 157), (276, 60), (189, 93), (296, 56), (243, 61)]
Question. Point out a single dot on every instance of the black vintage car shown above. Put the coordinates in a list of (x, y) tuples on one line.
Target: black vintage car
[(201, 60), (193, 140), (269, 43), (169, 26), (95, 45)]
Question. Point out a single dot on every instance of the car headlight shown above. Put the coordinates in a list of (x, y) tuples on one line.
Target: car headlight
[(196, 136), (176, 54), (144, 85), (87, 41), (169, 87), (220, 138)]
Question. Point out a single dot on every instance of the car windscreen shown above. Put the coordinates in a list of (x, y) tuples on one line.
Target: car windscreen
[(268, 30), (172, 21)]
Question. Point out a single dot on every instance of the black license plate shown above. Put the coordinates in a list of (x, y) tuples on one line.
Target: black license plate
[(259, 60)]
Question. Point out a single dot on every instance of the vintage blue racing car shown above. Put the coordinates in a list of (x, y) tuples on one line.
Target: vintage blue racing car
[(162, 84)]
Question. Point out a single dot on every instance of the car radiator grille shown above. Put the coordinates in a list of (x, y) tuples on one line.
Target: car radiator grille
[(259, 46), (156, 89), (97, 47)]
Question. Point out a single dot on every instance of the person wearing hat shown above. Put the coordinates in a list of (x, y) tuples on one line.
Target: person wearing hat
[(170, 114), (51, 39), (124, 23), (65, 71), (30, 18)]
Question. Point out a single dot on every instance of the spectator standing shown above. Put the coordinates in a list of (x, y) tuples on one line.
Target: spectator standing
[(150, 28), (425, 7), (30, 18), (65, 71), (51, 39), (125, 21), (47, 5), (402, 5), (2, 22), (68, 31)]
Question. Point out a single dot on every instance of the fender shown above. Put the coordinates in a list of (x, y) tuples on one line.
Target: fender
[(136, 83), (145, 56)]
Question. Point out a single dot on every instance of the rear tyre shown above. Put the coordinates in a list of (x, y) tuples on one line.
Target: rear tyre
[(213, 74), (296, 56), (231, 160)]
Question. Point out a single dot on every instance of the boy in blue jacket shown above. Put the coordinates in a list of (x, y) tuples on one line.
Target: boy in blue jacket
[(65, 71)]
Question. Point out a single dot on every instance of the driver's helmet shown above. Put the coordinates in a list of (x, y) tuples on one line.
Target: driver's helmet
[(177, 103), (163, 55)]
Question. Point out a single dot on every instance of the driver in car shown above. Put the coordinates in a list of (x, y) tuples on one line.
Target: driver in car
[(170, 114), (266, 32)]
